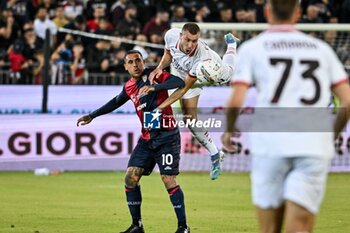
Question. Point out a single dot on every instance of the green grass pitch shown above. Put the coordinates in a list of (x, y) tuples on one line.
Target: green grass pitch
[(94, 202)]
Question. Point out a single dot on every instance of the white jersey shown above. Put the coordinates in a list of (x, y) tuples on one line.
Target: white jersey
[(186, 64), (293, 71)]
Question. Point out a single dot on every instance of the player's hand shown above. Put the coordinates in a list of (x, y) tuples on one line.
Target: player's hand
[(154, 75), (157, 109), (145, 90), (226, 142), (84, 120)]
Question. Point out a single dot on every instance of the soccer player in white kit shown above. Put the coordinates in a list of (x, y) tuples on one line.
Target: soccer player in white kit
[(290, 70), (185, 51)]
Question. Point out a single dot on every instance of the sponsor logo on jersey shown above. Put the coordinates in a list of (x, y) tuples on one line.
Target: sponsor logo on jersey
[(141, 106), (134, 98), (177, 66)]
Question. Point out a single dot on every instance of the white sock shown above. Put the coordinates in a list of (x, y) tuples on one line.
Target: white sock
[(204, 139), (230, 55), (228, 62), (231, 46)]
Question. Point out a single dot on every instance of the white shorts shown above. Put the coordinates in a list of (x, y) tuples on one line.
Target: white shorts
[(301, 180), (193, 92)]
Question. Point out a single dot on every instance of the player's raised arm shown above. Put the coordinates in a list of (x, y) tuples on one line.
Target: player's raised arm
[(110, 106), (189, 81), (166, 82), (164, 62)]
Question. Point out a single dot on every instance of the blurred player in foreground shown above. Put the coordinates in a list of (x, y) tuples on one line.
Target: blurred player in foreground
[(290, 70), (194, 61), (156, 146)]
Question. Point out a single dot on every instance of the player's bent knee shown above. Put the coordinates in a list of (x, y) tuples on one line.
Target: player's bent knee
[(169, 181), (130, 181), (132, 176)]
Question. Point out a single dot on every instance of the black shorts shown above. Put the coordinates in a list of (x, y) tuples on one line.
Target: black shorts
[(164, 151)]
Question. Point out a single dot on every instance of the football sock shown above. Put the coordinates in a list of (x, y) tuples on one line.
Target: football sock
[(231, 46), (134, 200), (230, 55), (204, 138), (177, 199)]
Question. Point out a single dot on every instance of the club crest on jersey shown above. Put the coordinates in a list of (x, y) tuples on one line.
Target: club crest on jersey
[(144, 78), (134, 98)]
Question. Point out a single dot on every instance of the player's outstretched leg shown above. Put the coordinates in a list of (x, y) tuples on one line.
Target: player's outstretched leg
[(231, 39), (189, 108), (229, 57), (216, 156), (216, 161)]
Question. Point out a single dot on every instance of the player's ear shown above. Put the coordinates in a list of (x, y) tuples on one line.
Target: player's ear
[(125, 66), (297, 14)]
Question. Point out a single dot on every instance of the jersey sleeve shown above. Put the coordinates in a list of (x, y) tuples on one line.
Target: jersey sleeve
[(243, 67), (161, 78), (122, 98), (167, 38), (338, 74), (169, 82)]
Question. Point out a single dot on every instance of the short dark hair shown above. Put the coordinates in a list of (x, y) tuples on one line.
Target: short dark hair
[(131, 52), (175, 7), (79, 20), (283, 9), (224, 7), (40, 7), (192, 28)]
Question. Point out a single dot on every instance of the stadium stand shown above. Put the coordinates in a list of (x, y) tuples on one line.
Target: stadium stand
[(77, 59)]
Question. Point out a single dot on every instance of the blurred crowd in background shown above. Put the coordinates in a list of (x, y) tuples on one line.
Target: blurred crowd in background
[(76, 59)]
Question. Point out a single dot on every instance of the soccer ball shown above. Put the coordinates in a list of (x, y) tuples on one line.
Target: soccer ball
[(209, 71)]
